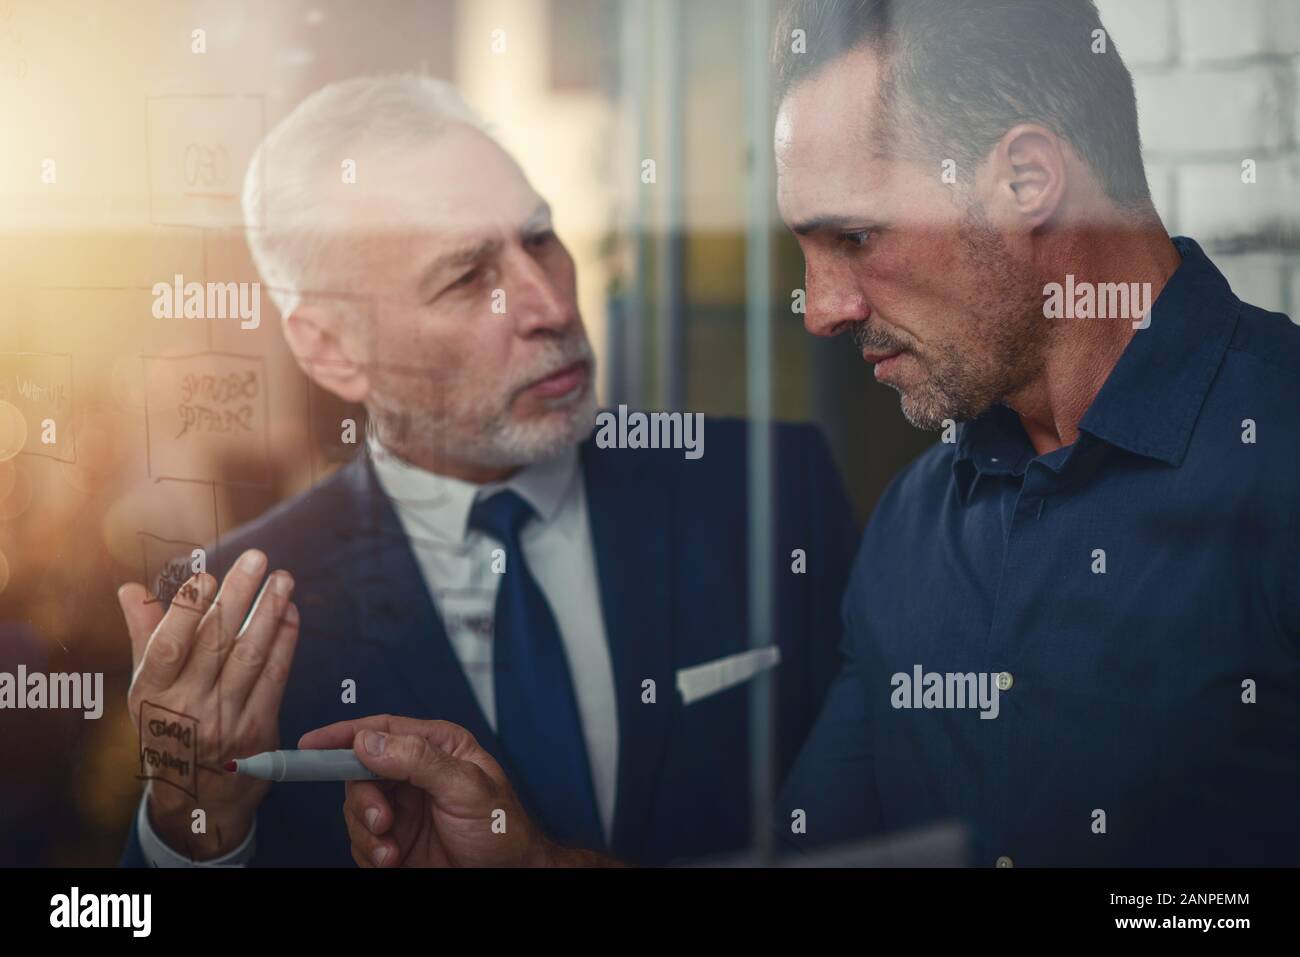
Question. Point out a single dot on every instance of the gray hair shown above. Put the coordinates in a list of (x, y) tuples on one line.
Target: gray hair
[(960, 73), (288, 214)]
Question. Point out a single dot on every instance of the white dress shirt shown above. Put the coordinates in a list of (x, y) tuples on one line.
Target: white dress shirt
[(456, 562)]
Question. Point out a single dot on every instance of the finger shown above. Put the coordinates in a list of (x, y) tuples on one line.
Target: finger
[(367, 802), (453, 740), (443, 735), (222, 622), (369, 849), (342, 733), (411, 758), (142, 617), (391, 856), (268, 690), (409, 813), (252, 650), (170, 644)]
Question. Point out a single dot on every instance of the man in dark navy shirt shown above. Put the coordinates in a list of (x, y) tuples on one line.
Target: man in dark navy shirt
[(1074, 624)]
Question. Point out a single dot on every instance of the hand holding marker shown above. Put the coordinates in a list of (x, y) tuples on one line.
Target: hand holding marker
[(321, 765)]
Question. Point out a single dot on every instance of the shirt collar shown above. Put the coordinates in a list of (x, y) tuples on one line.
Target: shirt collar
[(1149, 403), (994, 441), (441, 504), (1151, 399)]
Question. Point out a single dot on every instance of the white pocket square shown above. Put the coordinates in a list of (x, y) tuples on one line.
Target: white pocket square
[(700, 681)]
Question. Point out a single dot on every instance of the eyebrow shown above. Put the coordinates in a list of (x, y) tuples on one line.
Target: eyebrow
[(458, 258), (469, 254), (832, 222)]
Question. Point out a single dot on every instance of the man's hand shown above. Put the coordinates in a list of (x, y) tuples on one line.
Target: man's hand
[(444, 802), (197, 660)]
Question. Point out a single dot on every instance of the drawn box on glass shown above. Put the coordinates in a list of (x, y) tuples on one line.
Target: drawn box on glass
[(39, 386), (169, 747), (206, 419), (168, 565), (199, 150)]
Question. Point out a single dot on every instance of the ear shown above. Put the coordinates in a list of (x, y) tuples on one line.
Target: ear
[(1029, 168), (315, 337)]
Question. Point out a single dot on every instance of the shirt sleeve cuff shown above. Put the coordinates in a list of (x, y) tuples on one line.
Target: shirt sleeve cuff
[(158, 854)]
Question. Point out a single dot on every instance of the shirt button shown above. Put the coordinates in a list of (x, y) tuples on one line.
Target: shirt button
[(1005, 861), (1005, 681)]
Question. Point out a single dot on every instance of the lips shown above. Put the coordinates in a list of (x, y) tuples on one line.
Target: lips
[(883, 361), (560, 382), (877, 357)]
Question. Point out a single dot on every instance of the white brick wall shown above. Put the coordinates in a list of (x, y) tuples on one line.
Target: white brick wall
[(1217, 205), (1234, 29), (1143, 32), (1213, 109), (1295, 99), (1218, 82)]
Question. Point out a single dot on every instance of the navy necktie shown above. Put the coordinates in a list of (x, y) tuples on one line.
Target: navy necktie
[(537, 712)]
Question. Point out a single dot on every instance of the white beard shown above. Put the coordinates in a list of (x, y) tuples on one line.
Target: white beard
[(501, 442)]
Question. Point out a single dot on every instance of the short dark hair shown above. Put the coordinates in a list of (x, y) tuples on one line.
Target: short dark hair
[(959, 73)]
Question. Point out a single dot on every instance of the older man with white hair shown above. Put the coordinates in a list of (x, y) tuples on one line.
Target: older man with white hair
[(483, 562)]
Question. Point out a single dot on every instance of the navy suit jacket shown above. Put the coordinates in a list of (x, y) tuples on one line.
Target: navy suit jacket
[(671, 545)]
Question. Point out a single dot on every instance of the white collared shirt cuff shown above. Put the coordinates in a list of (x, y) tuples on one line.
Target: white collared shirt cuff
[(158, 854)]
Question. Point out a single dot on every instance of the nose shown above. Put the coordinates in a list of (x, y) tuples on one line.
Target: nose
[(835, 302), (538, 301)]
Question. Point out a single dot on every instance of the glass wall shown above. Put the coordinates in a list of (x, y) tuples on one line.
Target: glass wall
[(646, 125)]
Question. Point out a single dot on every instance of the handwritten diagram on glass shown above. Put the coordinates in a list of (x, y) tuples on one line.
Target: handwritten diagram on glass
[(199, 148), (206, 418), (36, 387)]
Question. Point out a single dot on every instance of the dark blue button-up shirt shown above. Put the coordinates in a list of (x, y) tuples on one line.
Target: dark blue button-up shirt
[(1134, 597)]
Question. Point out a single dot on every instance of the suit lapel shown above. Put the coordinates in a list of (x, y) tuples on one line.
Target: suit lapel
[(630, 510), (396, 613), (629, 505)]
